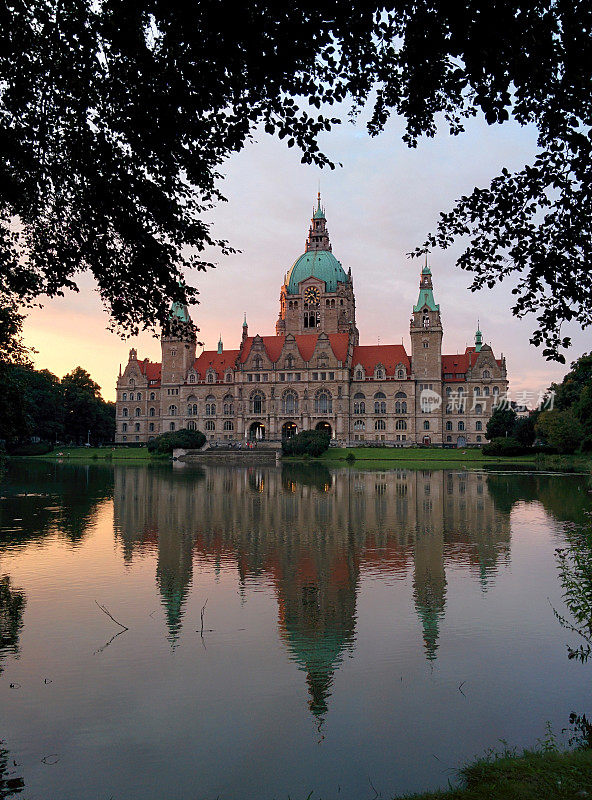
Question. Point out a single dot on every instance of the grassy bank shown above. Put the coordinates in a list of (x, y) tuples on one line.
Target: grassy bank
[(80, 454), (391, 457), (530, 776)]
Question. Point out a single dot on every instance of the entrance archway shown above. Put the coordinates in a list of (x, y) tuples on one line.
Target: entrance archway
[(427, 440), (325, 427), (257, 431), (289, 429)]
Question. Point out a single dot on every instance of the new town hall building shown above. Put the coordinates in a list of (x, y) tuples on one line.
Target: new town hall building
[(314, 373)]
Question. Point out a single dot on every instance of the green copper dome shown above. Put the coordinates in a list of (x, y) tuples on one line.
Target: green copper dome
[(320, 264), (179, 312)]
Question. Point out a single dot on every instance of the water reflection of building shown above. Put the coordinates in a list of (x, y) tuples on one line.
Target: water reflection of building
[(313, 535)]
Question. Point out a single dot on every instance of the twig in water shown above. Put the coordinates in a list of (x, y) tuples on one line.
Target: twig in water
[(203, 610), (51, 759), (460, 689), (115, 635), (435, 756), (105, 611)]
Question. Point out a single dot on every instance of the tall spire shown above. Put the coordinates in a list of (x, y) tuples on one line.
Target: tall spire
[(318, 235), (426, 291), (478, 339), (220, 346)]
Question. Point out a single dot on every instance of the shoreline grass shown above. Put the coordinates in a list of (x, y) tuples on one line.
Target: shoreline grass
[(561, 775), (93, 454)]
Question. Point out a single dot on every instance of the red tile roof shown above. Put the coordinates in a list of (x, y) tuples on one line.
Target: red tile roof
[(212, 359), (305, 342), (459, 364), (389, 355), (150, 369)]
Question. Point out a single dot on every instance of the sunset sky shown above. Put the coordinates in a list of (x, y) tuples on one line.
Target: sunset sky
[(380, 204)]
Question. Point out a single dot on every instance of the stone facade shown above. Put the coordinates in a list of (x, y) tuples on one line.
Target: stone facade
[(314, 373)]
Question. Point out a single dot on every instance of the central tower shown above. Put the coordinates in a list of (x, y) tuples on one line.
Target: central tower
[(317, 295)]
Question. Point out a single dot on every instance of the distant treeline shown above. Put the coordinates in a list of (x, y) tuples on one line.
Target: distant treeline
[(36, 405)]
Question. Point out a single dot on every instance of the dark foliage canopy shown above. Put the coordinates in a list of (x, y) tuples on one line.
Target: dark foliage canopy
[(36, 404), (115, 119)]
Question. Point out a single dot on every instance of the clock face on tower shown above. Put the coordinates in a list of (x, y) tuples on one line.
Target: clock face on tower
[(312, 296)]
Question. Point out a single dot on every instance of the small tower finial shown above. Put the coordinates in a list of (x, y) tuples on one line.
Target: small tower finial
[(478, 338), (220, 345)]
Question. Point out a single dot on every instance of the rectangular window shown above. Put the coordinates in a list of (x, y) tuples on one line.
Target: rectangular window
[(448, 375), (282, 376), (315, 376), (257, 378), (297, 376), (331, 376), (290, 376), (250, 378), (264, 376), (323, 376)]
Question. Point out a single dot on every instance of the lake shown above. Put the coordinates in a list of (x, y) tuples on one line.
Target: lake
[(295, 629)]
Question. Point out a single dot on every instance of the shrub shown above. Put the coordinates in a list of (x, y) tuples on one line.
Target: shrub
[(185, 438), (560, 429), (312, 443), (30, 449), (505, 446)]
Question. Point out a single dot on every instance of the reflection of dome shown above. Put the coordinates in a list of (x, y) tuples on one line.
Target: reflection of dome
[(320, 264)]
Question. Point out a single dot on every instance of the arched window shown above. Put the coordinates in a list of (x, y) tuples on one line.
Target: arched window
[(228, 425), (192, 409), (426, 321), (478, 408), (124, 396), (478, 425), (448, 391), (210, 425), (124, 412), (289, 361), (400, 373), (426, 424), (137, 427), (228, 407), (449, 426), (449, 438), (289, 403), (461, 425), (139, 396), (380, 403), (379, 373), (359, 403), (124, 427), (486, 373), (192, 425), (132, 382), (192, 378), (171, 426), (210, 377), (152, 412), (229, 377), (151, 427), (400, 406), (477, 391), (359, 425), (210, 405), (257, 403), (401, 425), (495, 389), (359, 375), (486, 391), (380, 425), (323, 403), (137, 412), (172, 411), (152, 396)]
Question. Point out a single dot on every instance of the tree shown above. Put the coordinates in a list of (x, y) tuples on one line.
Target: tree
[(501, 423), (312, 443), (560, 429), (86, 413), (575, 393), (523, 431), (115, 122)]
